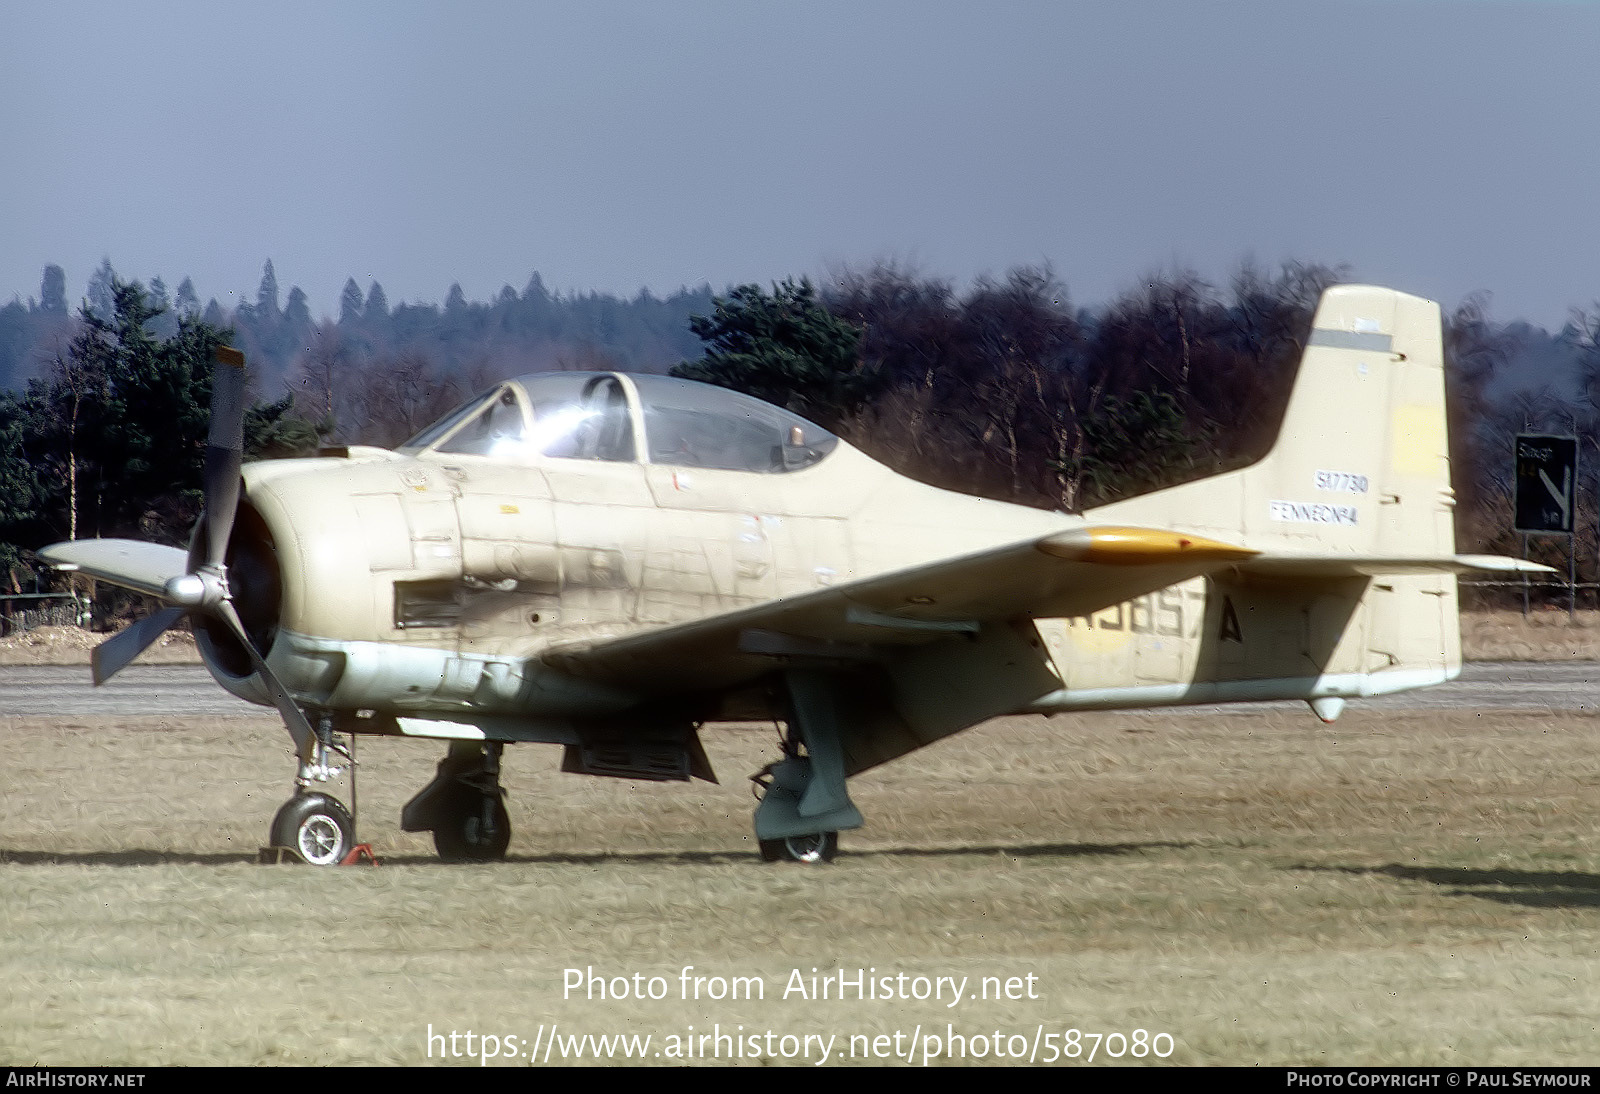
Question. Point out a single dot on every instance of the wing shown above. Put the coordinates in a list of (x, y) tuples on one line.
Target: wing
[(1071, 573), (130, 563), (1074, 572)]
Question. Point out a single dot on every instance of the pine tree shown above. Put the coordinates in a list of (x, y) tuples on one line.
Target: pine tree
[(117, 428), (188, 304), (53, 290), (785, 348), (20, 491), (297, 312), (350, 303), (101, 297), (164, 324), (267, 294)]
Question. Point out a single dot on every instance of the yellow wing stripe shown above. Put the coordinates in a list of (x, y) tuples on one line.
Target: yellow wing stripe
[(1140, 547)]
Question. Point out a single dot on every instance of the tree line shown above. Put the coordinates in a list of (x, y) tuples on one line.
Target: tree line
[(1009, 391), (461, 342), (1005, 388), (110, 440)]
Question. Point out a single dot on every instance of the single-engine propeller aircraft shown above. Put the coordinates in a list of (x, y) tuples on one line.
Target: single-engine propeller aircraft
[(606, 562)]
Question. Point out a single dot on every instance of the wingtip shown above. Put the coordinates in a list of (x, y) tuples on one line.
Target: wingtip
[(51, 553), (1504, 565)]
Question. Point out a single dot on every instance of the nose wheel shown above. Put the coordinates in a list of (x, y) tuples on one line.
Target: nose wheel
[(315, 827)]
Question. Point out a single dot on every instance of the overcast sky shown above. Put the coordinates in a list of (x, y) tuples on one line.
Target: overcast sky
[(1437, 146)]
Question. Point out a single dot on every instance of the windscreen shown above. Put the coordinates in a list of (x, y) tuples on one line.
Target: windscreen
[(490, 425)]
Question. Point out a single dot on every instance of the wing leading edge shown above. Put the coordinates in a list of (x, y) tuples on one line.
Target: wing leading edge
[(1071, 573)]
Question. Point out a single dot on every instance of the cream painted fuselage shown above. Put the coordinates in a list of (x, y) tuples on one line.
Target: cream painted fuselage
[(586, 546), (433, 585), (435, 582)]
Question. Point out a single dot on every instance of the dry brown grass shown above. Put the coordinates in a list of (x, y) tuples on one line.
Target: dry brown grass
[(1543, 635), (1414, 889), (73, 645)]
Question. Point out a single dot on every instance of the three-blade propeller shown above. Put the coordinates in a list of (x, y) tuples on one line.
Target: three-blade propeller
[(204, 591)]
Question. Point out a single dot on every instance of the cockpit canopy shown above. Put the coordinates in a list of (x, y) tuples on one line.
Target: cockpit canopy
[(612, 416)]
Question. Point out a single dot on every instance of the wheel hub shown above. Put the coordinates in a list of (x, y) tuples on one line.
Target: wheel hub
[(320, 841), (806, 848)]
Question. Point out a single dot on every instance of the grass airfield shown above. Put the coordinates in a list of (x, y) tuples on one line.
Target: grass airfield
[(1394, 889)]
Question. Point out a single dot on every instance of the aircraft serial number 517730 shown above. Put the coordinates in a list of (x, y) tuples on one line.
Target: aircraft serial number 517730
[(607, 562)]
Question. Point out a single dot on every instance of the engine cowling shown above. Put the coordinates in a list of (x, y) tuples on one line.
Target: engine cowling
[(395, 584)]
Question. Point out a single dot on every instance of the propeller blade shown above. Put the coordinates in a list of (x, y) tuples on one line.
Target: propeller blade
[(117, 652), (293, 718), (224, 451)]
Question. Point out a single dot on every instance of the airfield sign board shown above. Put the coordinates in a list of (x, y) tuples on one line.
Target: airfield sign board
[(1547, 478)]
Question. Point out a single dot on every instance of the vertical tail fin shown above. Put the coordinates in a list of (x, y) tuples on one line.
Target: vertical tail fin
[(1361, 464), (1360, 471)]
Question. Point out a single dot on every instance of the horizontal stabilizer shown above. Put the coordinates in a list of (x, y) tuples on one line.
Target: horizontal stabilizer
[(131, 563), (1324, 566)]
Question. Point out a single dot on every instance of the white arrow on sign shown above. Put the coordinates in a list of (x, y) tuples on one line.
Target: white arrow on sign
[(1562, 496)]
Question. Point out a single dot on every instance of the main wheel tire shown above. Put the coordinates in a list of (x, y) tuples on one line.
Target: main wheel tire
[(461, 835), (816, 847), (315, 827)]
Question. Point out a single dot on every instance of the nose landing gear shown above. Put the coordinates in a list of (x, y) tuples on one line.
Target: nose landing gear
[(313, 826)]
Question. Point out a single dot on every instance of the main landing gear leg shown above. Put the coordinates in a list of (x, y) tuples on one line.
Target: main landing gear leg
[(313, 825), (464, 805), (804, 801)]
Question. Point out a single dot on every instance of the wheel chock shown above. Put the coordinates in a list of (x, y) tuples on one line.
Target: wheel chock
[(360, 853)]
